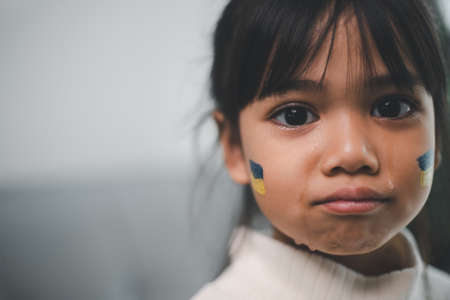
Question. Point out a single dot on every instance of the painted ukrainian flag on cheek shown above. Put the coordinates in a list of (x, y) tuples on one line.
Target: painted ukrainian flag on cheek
[(257, 178), (426, 163)]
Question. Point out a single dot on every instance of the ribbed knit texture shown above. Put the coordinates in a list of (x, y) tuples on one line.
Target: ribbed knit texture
[(264, 268)]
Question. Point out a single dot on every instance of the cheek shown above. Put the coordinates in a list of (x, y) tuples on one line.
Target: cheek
[(410, 171), (287, 172), (411, 184)]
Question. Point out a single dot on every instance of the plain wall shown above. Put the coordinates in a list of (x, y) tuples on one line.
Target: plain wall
[(90, 88), (98, 101)]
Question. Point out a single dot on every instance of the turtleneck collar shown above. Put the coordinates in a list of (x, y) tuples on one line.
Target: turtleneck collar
[(290, 273)]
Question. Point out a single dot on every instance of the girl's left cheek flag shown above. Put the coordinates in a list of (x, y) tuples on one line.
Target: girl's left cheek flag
[(426, 163), (257, 178)]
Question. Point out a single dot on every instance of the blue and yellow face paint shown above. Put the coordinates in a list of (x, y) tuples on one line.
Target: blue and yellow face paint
[(426, 163), (257, 178)]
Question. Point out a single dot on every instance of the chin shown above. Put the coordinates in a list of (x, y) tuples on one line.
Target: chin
[(349, 245), (347, 251), (353, 247)]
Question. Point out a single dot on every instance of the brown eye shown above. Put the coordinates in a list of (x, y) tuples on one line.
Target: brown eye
[(393, 108), (293, 116)]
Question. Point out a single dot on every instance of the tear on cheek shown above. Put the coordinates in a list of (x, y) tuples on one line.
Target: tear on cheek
[(257, 178), (426, 163)]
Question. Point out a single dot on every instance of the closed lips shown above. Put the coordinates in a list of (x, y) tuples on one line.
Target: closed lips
[(358, 194)]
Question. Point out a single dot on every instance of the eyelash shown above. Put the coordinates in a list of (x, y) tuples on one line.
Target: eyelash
[(413, 108), (293, 105), (414, 105)]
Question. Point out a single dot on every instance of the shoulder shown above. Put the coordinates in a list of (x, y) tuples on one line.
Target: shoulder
[(237, 281), (211, 292), (246, 276), (439, 283), (231, 284)]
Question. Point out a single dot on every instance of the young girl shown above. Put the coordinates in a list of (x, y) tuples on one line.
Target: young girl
[(334, 112)]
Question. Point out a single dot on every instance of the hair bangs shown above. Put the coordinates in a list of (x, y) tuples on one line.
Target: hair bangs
[(295, 45), (303, 30)]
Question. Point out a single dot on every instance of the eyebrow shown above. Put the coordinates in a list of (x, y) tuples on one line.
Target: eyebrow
[(373, 83)]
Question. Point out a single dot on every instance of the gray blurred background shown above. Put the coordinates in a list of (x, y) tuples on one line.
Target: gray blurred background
[(98, 168)]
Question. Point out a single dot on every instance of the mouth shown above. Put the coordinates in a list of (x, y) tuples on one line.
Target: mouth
[(359, 200)]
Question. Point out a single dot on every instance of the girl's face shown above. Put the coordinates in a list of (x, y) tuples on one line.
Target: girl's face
[(340, 168)]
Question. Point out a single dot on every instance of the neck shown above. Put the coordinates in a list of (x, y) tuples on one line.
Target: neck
[(392, 256)]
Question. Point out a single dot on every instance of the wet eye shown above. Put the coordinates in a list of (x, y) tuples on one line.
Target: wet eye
[(393, 108), (293, 116)]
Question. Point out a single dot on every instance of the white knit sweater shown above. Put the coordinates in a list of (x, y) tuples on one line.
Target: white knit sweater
[(264, 268)]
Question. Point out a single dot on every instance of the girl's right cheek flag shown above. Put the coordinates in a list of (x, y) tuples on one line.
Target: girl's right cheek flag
[(257, 178)]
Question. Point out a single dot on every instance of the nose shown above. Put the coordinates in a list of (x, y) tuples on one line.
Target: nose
[(349, 149)]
